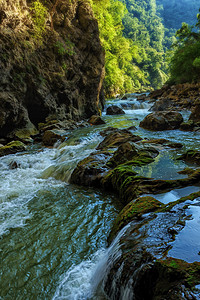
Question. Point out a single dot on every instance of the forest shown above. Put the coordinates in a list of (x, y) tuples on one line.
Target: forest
[(137, 36)]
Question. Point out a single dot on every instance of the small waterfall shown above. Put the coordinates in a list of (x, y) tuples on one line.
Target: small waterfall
[(69, 154), (87, 280)]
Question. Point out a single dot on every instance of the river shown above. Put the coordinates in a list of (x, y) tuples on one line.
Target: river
[(53, 235)]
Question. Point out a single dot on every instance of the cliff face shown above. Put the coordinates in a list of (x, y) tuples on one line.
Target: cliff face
[(48, 73)]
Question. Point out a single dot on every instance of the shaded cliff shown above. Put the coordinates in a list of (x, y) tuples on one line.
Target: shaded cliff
[(48, 72)]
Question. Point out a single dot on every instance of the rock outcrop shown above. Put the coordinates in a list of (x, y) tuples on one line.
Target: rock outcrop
[(48, 73)]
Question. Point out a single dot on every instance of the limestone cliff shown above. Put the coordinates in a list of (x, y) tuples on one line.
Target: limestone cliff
[(49, 70)]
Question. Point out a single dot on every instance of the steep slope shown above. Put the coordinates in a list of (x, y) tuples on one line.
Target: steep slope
[(175, 12), (51, 61)]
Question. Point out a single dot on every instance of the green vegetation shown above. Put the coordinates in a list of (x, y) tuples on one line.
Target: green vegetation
[(63, 48), (185, 62), (132, 35), (39, 18)]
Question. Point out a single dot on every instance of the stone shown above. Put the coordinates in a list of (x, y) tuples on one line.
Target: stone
[(161, 105), (115, 138), (187, 126), (192, 156), (114, 110), (91, 170), (162, 121), (195, 114), (50, 137), (132, 211), (12, 147), (124, 153), (96, 120)]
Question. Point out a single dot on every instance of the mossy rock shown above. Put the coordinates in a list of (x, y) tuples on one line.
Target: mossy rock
[(124, 153), (50, 137), (52, 123), (115, 139), (96, 120), (12, 147), (90, 171), (190, 272), (192, 156), (133, 210)]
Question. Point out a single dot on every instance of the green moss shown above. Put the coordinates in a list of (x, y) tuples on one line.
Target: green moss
[(191, 156), (132, 210), (170, 206), (140, 161), (43, 125), (12, 147), (189, 271)]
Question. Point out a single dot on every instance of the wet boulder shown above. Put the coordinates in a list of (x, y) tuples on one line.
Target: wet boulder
[(91, 170), (138, 256), (50, 137), (114, 138), (187, 126), (162, 121), (124, 153), (114, 110), (161, 105), (133, 210), (191, 156), (12, 147), (96, 120)]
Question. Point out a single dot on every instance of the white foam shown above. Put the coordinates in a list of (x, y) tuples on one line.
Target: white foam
[(77, 283)]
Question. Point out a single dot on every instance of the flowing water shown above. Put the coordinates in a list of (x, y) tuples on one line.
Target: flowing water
[(53, 234)]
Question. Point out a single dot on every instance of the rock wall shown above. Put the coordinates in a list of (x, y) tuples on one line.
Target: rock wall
[(56, 73)]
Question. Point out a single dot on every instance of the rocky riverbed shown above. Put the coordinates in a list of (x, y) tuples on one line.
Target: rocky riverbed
[(124, 201)]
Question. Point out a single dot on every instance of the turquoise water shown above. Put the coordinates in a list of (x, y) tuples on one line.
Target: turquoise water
[(52, 233)]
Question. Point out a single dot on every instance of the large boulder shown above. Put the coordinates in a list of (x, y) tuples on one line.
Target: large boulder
[(139, 259), (161, 105), (162, 121), (114, 110), (116, 138)]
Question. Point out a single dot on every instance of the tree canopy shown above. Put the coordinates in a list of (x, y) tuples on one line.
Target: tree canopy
[(185, 62)]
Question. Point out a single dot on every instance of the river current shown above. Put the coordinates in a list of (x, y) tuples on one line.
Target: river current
[(53, 235)]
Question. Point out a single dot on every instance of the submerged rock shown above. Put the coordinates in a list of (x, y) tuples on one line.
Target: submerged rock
[(162, 121), (114, 110), (163, 142)]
